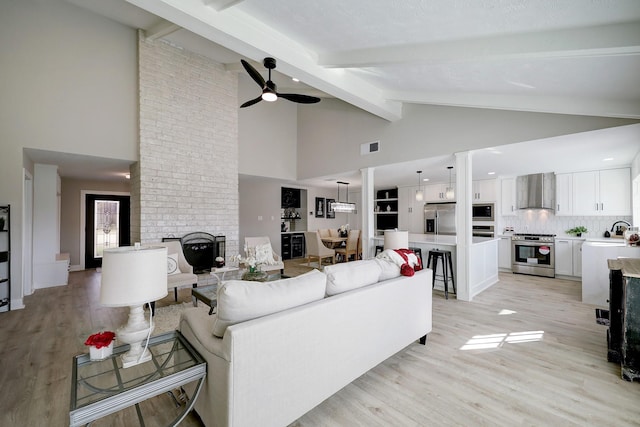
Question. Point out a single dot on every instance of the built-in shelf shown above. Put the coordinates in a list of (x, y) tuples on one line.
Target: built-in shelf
[(5, 258)]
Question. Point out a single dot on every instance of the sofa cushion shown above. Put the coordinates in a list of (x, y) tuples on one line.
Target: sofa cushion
[(241, 300), (351, 275), (172, 264)]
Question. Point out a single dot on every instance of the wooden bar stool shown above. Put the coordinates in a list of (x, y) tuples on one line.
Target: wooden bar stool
[(447, 269)]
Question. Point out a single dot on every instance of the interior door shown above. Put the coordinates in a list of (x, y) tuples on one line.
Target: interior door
[(107, 226)]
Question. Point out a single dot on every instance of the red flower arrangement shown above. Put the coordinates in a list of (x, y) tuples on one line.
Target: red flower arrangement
[(101, 339)]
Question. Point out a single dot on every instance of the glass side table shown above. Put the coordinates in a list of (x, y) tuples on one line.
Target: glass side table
[(100, 388)]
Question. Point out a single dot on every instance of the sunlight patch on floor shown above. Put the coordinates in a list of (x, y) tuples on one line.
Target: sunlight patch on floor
[(483, 342), (504, 312)]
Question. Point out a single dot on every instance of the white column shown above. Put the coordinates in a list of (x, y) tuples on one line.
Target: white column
[(368, 230), (464, 201)]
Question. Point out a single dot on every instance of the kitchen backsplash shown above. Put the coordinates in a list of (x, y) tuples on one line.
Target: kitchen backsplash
[(539, 221)]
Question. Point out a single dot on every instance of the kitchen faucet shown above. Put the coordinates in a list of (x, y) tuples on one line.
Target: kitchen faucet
[(618, 222)]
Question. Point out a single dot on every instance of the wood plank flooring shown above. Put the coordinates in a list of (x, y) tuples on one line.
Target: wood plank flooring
[(538, 359)]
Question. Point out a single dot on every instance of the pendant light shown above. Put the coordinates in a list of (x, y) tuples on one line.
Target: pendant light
[(419, 192), (339, 206), (449, 193)]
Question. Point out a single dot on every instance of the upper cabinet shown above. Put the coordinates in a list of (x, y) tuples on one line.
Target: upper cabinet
[(508, 197), (599, 193), (435, 193), (564, 194), (484, 190)]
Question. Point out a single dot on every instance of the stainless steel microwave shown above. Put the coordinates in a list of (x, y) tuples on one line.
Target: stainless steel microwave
[(483, 212)]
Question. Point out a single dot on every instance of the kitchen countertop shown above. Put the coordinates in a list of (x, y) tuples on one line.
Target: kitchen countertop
[(435, 239)]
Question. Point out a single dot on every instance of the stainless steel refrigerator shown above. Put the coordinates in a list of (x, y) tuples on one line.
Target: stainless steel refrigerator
[(440, 218)]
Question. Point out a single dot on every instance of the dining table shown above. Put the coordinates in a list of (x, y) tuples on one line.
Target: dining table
[(333, 242)]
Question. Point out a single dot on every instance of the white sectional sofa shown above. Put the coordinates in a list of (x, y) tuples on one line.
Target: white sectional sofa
[(271, 370)]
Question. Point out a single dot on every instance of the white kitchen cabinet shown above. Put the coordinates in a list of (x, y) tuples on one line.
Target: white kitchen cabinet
[(564, 196), (564, 257), (577, 257), (410, 210), (436, 193), (484, 190), (568, 257), (504, 253), (605, 192), (508, 196)]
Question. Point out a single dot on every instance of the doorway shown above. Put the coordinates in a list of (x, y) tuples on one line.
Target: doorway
[(107, 225)]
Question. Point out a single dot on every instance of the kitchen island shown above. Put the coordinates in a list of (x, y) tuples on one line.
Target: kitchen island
[(483, 271), (595, 270)]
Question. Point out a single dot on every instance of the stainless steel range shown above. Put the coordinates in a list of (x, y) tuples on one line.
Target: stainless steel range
[(533, 254)]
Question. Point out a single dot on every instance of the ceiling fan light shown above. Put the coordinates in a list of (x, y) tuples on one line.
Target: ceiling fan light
[(269, 96)]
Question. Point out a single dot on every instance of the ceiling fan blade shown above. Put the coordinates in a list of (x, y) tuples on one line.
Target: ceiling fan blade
[(253, 101), (253, 73), (302, 99)]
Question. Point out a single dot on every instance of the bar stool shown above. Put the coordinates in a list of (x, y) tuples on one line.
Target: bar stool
[(418, 253), (447, 269)]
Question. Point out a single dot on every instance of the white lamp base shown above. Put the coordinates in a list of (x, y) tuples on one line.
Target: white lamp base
[(134, 333)]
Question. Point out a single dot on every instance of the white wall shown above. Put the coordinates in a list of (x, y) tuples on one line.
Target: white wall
[(259, 209), (61, 93), (330, 133), (267, 134)]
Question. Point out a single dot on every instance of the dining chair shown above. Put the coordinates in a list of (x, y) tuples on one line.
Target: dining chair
[(333, 232), (324, 232), (180, 272), (351, 248), (317, 249)]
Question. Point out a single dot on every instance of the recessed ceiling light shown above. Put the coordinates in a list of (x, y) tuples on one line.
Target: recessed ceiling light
[(425, 179), (608, 159), (295, 79), (491, 173)]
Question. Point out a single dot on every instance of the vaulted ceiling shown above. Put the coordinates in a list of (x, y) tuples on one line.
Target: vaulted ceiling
[(557, 56), (554, 56)]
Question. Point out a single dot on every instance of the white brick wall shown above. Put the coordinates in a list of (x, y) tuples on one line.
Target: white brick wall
[(187, 176)]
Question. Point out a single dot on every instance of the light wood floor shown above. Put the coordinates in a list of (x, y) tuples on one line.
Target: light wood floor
[(544, 363)]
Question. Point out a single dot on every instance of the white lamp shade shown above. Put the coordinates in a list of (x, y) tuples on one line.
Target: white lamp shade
[(133, 275), (394, 239)]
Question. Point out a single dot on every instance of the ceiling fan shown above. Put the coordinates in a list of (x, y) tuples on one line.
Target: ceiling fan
[(269, 88)]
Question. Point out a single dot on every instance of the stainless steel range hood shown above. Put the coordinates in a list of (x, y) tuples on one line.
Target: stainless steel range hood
[(536, 191)]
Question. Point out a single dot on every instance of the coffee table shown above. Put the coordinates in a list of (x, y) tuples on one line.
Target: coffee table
[(102, 387)]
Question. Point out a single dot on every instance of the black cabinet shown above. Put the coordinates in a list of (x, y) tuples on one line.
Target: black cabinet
[(292, 245), (289, 198)]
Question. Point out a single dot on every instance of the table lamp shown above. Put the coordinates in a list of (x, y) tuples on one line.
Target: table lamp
[(133, 276), (394, 239)]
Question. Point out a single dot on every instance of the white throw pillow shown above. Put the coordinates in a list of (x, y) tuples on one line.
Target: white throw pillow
[(241, 300), (389, 269), (351, 275), (172, 264), (264, 254)]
